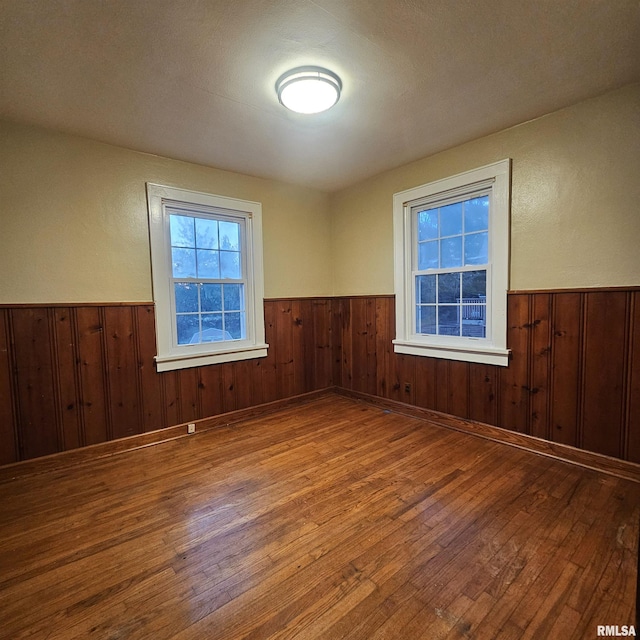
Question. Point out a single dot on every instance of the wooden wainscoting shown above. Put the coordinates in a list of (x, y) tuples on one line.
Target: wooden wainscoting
[(574, 376), (77, 375)]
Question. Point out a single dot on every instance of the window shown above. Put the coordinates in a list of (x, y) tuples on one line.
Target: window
[(206, 257), (451, 240)]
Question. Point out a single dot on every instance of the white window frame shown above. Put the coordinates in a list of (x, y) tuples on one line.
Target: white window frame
[(170, 355), (496, 180)]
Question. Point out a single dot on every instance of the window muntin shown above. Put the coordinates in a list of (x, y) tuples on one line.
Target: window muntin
[(451, 251), (206, 256)]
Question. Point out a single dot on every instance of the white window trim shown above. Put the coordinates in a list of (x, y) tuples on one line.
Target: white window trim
[(490, 350), (170, 356)]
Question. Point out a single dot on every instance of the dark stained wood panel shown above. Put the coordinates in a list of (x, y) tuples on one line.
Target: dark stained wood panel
[(574, 376), (483, 384), (566, 363), (285, 369), (153, 409), (322, 357), (557, 386), (248, 383), (605, 360), (91, 374), (269, 364), (385, 327), (337, 347), (122, 372), (425, 383), (540, 362), (85, 374), (8, 442), (442, 385), (67, 381), (458, 389), (210, 383), (633, 388), (34, 382), (188, 394), (513, 411)]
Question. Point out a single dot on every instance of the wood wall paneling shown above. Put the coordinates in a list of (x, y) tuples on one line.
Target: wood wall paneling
[(152, 402), (322, 354), (483, 390), (573, 378), (605, 350), (513, 409), (633, 387), (8, 441), (68, 400), (566, 365), (81, 374), (269, 364), (92, 374), (121, 372), (35, 391), (540, 363)]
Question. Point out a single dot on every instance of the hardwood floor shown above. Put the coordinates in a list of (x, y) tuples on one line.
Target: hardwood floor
[(332, 519)]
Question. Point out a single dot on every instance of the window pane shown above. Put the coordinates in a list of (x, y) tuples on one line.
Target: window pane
[(229, 264), (233, 325), (428, 225), (449, 320), (426, 320), (233, 297), (428, 255), (182, 231), (476, 248), (474, 307), (474, 284), (206, 234), (230, 236), (212, 328), (451, 252), (449, 287), (208, 264), (475, 328), (476, 214), (426, 289), (188, 329), (211, 297), (184, 263), (186, 297), (451, 220)]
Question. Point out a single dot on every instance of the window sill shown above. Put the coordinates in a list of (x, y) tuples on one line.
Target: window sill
[(233, 354), (479, 354)]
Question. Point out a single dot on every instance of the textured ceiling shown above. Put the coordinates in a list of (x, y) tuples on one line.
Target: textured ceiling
[(194, 79)]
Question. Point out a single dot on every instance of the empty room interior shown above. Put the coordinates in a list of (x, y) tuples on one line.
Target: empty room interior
[(319, 319)]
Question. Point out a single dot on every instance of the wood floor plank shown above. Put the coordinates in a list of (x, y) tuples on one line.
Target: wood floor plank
[(330, 519)]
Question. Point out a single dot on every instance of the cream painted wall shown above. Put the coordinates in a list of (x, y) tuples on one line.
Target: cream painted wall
[(74, 220), (74, 216), (575, 216)]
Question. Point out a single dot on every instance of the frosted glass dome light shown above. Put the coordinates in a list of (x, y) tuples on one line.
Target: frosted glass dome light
[(308, 89)]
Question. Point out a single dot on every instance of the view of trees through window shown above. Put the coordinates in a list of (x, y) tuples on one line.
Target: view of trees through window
[(208, 285), (451, 256)]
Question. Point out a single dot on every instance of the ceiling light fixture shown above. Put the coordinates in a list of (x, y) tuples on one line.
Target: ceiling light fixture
[(308, 89)]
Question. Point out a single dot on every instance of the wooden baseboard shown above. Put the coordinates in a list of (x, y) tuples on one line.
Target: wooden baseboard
[(566, 453), (105, 449)]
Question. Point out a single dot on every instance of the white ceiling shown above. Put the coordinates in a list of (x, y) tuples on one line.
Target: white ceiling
[(194, 79)]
